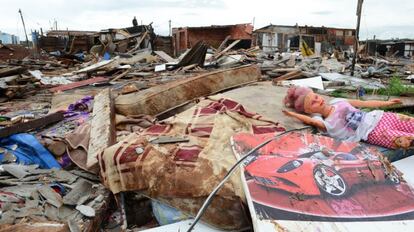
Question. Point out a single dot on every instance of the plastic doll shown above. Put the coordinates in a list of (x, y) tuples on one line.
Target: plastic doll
[(342, 119)]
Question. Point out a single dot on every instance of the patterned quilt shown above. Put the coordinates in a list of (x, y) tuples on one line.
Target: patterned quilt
[(187, 171)]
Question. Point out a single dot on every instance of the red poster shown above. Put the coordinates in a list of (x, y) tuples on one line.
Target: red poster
[(306, 177)]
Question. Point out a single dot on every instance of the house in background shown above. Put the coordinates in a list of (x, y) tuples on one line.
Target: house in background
[(286, 38), (397, 47), (186, 37), (64, 40), (6, 38)]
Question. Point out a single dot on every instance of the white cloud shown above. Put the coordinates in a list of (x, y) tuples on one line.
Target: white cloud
[(383, 18)]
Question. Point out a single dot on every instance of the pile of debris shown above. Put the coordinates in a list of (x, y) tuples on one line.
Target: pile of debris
[(83, 122), (74, 198)]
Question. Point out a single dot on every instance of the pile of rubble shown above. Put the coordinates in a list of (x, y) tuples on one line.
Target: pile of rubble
[(34, 195), (144, 125)]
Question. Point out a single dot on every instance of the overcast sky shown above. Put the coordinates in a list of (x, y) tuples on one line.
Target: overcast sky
[(383, 18)]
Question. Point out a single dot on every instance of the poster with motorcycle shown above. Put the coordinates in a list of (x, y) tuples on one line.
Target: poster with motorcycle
[(304, 177)]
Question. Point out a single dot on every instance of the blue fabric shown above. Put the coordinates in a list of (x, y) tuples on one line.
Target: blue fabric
[(28, 151), (80, 56), (106, 56)]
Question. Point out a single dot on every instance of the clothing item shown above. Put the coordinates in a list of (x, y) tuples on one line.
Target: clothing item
[(78, 143), (390, 128), (348, 123)]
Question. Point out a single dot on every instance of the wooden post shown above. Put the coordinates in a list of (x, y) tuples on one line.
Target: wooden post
[(359, 9)]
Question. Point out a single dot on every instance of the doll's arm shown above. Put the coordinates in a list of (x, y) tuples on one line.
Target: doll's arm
[(373, 103), (306, 119)]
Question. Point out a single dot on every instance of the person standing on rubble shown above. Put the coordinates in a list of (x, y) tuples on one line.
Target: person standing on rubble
[(135, 22), (342, 120)]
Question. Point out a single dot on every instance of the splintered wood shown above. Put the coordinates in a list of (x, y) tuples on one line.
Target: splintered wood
[(102, 127)]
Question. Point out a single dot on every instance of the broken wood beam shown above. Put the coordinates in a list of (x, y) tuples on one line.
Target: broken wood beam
[(223, 44), (9, 71), (284, 70), (138, 43), (31, 125), (289, 76), (164, 56), (189, 67), (78, 84), (102, 133), (121, 75), (227, 49)]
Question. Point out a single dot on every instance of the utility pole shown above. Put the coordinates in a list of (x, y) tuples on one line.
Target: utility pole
[(359, 9), (169, 26), (24, 27), (375, 41)]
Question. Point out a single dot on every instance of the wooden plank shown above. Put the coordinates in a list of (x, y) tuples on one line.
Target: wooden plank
[(78, 84), (277, 70), (102, 127), (121, 75), (94, 67), (138, 43), (227, 49), (223, 44), (8, 71), (31, 125), (165, 56), (188, 67), (289, 76)]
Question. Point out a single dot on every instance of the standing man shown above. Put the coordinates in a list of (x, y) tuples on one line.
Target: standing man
[(135, 22)]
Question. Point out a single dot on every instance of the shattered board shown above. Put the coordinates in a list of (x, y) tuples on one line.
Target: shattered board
[(305, 182)]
